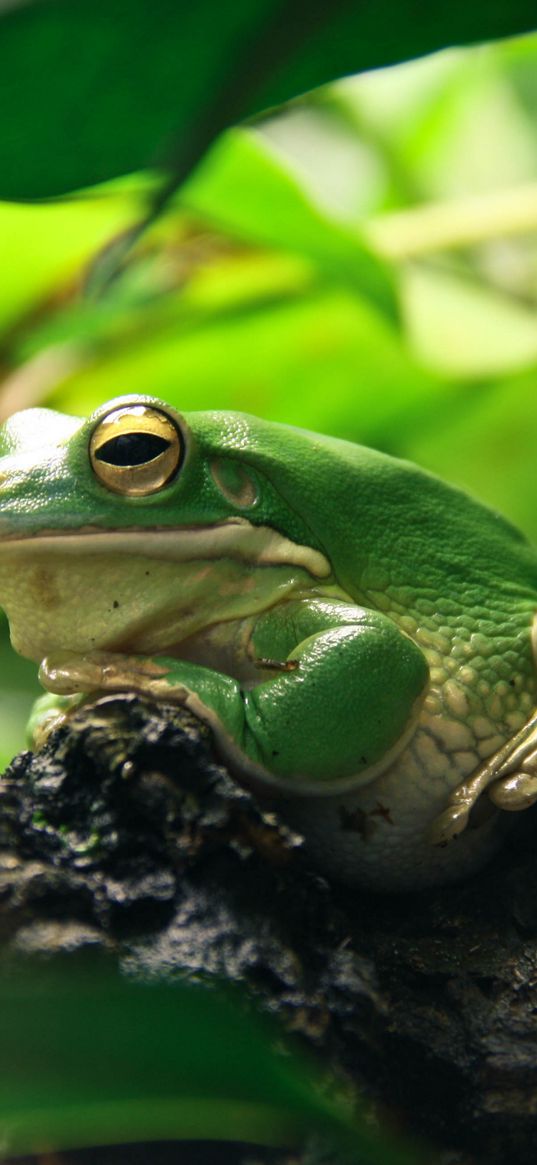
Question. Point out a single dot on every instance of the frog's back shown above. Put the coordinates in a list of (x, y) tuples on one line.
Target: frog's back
[(383, 522)]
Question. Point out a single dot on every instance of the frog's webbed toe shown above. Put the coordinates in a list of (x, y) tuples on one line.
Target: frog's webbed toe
[(509, 777), (452, 822), (519, 790), (49, 712)]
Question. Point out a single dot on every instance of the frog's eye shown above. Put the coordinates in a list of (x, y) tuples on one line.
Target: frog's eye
[(136, 450)]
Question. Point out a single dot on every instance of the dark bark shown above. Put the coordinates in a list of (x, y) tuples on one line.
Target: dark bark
[(123, 831)]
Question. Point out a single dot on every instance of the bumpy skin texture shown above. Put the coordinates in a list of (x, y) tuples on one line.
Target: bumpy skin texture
[(356, 633)]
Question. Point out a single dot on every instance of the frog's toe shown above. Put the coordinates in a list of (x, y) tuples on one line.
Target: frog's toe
[(449, 824), (48, 713), (516, 792)]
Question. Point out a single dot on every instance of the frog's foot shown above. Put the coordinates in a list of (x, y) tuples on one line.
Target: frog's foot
[(103, 671), (298, 731), (519, 790), (48, 713), (509, 777)]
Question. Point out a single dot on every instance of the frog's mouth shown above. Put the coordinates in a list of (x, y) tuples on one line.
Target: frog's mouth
[(144, 590), (234, 538)]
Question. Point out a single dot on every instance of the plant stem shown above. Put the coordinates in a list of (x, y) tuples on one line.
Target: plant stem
[(442, 226)]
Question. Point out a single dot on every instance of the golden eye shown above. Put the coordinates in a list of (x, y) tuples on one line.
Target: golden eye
[(136, 450)]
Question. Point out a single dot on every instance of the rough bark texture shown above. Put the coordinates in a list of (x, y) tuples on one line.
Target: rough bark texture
[(124, 832)]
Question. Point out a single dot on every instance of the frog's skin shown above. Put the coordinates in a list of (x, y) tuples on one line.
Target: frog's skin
[(357, 634)]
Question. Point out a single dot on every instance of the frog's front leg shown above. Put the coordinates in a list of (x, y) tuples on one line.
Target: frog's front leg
[(342, 699)]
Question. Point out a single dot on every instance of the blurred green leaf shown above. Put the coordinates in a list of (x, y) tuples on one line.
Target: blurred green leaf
[(43, 247), (306, 358), (92, 90), (247, 188), (19, 687), (484, 441), (461, 327), (88, 1057)]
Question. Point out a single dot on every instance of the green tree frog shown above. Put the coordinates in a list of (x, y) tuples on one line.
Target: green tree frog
[(359, 636)]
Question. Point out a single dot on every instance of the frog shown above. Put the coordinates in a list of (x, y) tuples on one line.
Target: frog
[(358, 636)]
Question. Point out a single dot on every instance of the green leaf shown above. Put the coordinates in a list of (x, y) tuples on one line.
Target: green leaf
[(460, 327), (485, 442), (100, 88), (43, 247), (18, 689), (88, 1058), (247, 188), (325, 359)]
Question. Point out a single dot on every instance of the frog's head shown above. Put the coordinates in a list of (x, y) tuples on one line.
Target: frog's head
[(136, 528)]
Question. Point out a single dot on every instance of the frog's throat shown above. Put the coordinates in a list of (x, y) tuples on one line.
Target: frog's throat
[(233, 538)]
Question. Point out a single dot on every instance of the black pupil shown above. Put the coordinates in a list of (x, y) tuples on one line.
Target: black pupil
[(132, 449)]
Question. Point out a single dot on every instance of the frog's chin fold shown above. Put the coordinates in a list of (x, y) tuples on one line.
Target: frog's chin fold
[(235, 538), (145, 591)]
